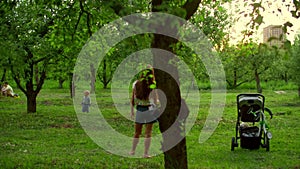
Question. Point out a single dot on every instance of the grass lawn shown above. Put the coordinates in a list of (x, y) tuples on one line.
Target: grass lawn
[(54, 138)]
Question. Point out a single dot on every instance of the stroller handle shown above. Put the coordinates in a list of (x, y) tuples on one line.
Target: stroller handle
[(256, 95), (269, 111), (251, 95)]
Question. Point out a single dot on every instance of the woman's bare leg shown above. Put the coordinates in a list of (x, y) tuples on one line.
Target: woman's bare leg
[(135, 141), (148, 134)]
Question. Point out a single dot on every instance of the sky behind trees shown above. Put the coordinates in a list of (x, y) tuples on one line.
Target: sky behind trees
[(275, 13)]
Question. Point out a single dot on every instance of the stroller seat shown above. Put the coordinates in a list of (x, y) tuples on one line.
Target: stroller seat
[(250, 108)]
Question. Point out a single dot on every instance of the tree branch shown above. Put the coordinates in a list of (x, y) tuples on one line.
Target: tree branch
[(155, 4), (245, 81), (87, 19), (191, 7), (77, 23), (16, 78), (40, 60), (41, 81)]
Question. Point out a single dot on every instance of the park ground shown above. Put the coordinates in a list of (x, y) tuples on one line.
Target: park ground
[(53, 137)]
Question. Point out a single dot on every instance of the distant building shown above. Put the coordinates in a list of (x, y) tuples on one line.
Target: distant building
[(273, 35)]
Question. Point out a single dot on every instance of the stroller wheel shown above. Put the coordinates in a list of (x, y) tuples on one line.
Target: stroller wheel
[(232, 143), (267, 144), (267, 137)]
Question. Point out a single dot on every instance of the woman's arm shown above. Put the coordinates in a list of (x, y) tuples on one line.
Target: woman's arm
[(132, 104)]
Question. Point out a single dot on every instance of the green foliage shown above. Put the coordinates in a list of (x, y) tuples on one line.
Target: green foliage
[(243, 60), (25, 28), (46, 37), (118, 53), (213, 19), (295, 61)]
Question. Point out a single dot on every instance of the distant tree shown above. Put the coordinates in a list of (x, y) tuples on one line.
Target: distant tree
[(213, 20), (236, 70), (262, 61), (118, 53), (25, 26), (295, 62), (246, 62), (4, 63)]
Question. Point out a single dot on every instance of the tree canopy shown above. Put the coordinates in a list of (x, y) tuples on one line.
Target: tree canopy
[(40, 40)]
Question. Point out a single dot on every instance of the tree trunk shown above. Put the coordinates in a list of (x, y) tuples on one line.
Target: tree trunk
[(60, 83), (29, 90), (36, 75), (104, 79), (257, 79), (175, 157), (30, 94), (71, 85), (105, 85), (299, 90), (93, 78), (31, 102), (286, 79), (3, 75), (234, 79)]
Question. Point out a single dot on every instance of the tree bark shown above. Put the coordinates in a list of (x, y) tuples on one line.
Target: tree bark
[(299, 90), (29, 90), (36, 75), (235, 78), (71, 85), (31, 102), (105, 80), (60, 83), (3, 75), (32, 93), (257, 79), (286, 79), (93, 78), (176, 157)]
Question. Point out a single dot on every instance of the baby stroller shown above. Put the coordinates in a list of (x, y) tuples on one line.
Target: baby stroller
[(251, 109)]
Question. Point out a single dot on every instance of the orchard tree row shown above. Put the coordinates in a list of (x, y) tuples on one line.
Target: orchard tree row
[(41, 40)]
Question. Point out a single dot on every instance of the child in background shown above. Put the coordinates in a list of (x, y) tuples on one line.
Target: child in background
[(86, 102)]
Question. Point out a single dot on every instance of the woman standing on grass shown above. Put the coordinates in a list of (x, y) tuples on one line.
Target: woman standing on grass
[(142, 99)]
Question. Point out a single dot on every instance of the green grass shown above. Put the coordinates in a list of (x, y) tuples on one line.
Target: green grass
[(270, 85), (53, 137)]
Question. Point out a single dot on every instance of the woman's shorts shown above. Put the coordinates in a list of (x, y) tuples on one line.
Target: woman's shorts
[(144, 115)]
